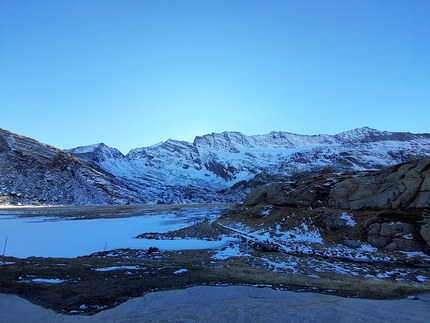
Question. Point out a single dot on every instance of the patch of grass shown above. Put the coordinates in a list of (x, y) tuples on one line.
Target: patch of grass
[(131, 273), (359, 286)]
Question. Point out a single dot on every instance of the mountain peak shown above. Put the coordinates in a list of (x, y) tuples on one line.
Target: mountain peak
[(88, 148)]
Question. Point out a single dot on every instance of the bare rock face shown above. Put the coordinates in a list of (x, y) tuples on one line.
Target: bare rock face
[(405, 185), (394, 229), (310, 192), (425, 231), (352, 243), (394, 236), (402, 186), (393, 203)]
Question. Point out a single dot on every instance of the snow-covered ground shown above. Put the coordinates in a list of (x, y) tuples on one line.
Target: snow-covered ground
[(307, 240), (60, 237), (304, 250)]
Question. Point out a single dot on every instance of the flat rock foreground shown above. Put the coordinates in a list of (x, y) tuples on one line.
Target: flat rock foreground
[(231, 304)]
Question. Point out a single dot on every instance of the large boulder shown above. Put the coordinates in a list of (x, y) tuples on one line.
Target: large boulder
[(394, 229), (309, 192), (393, 204), (393, 236), (425, 231)]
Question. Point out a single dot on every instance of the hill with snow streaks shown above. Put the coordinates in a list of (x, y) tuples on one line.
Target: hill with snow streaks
[(33, 173), (217, 167)]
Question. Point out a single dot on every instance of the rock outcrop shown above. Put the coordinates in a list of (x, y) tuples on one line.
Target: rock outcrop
[(403, 186), (393, 204)]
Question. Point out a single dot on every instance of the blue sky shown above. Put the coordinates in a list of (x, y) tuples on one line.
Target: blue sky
[(134, 73)]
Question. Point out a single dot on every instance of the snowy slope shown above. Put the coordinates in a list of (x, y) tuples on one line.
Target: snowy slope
[(33, 173), (217, 167), (178, 171)]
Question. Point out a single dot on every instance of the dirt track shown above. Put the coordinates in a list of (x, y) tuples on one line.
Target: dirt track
[(231, 304)]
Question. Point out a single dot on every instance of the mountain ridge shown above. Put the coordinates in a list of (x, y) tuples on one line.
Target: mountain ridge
[(362, 134), (217, 167)]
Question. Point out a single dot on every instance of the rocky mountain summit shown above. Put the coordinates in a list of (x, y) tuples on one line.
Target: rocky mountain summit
[(217, 167), (389, 209)]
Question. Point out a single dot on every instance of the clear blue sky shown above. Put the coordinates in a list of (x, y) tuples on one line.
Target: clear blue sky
[(134, 73)]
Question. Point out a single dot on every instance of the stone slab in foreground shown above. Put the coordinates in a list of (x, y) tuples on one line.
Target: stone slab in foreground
[(231, 304)]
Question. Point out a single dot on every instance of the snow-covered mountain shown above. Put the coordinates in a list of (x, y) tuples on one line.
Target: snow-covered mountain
[(217, 167), (207, 169)]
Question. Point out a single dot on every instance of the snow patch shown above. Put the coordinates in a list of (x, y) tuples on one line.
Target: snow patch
[(349, 220), (48, 281), (117, 268), (365, 247), (304, 234), (267, 210), (233, 250), (422, 279), (408, 236), (6, 263)]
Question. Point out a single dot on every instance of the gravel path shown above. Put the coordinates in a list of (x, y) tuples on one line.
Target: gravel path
[(231, 304)]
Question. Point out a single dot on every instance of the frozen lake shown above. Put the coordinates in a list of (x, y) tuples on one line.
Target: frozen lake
[(44, 236)]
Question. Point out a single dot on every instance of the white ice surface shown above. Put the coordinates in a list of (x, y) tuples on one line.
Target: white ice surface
[(42, 237), (48, 281), (117, 268)]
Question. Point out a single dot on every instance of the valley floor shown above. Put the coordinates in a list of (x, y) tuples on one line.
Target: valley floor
[(243, 257)]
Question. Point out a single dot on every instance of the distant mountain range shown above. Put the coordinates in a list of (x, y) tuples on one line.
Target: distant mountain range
[(217, 167)]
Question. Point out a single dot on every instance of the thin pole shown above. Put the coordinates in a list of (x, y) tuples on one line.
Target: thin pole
[(105, 246), (4, 249)]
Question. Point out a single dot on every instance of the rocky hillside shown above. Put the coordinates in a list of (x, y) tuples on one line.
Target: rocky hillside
[(221, 167), (32, 173), (388, 209)]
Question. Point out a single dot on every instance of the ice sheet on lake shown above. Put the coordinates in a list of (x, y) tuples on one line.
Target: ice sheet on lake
[(42, 237)]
